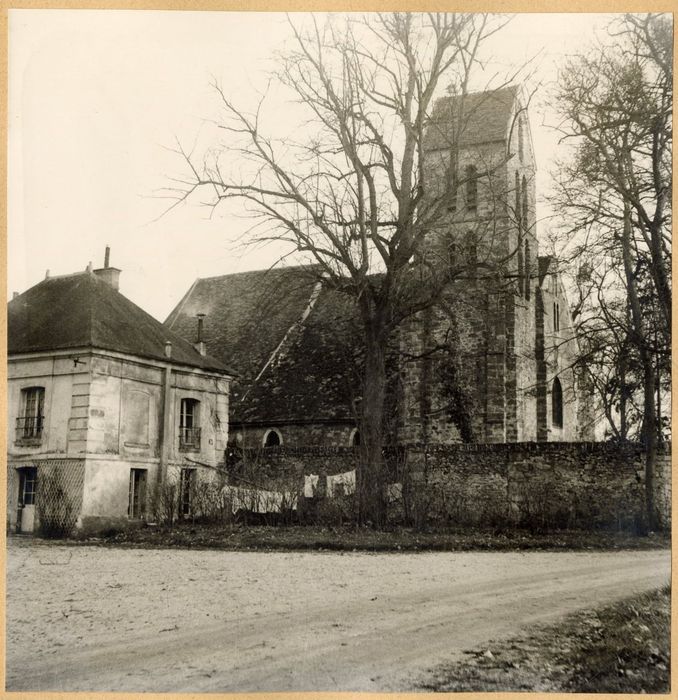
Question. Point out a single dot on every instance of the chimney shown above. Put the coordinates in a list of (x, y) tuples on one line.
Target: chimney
[(110, 275), (15, 295), (199, 344)]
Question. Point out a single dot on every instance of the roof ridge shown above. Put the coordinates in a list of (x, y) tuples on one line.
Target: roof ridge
[(288, 268)]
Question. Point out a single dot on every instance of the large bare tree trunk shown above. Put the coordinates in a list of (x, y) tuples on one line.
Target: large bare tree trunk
[(371, 474), (649, 407)]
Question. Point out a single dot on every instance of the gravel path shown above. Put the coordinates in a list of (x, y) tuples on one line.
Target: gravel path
[(103, 619)]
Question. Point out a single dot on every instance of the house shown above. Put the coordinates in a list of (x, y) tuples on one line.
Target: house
[(106, 407), (493, 361)]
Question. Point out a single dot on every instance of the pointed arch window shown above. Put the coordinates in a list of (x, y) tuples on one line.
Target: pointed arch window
[(524, 203), (557, 404), (527, 270), (471, 176)]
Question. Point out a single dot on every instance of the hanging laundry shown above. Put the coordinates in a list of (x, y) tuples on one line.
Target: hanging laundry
[(341, 484), (311, 485)]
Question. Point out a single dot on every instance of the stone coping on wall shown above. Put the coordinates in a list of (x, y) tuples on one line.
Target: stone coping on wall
[(511, 447)]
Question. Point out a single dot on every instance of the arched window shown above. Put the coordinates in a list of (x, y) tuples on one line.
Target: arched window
[(524, 202), (272, 438), (354, 440), (527, 270), (557, 404), (471, 176)]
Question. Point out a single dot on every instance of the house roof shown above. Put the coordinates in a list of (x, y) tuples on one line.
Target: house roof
[(294, 343), (475, 118), (82, 310)]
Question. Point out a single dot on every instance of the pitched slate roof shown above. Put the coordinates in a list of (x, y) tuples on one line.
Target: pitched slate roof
[(480, 117), (294, 343), (81, 310)]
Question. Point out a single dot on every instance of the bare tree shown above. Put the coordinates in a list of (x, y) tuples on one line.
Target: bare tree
[(614, 194), (350, 192)]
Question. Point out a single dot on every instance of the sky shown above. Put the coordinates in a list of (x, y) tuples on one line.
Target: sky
[(97, 100)]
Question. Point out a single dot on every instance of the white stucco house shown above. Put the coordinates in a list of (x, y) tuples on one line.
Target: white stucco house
[(106, 406)]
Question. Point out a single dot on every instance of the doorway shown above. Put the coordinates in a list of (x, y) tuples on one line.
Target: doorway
[(28, 482), (137, 494)]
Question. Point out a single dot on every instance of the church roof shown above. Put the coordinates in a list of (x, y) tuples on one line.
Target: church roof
[(294, 343), (479, 117), (82, 310)]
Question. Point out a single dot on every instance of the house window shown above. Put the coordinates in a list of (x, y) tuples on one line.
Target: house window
[(28, 481), (471, 187), (557, 404), (31, 419), (354, 440), (189, 425), (556, 317), (272, 438), (186, 489), (136, 509)]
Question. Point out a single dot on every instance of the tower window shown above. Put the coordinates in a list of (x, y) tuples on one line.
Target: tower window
[(527, 270), (556, 317), (471, 175), (557, 404), (524, 202), (521, 140), (472, 256)]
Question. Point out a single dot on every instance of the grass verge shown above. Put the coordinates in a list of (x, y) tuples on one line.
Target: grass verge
[(237, 537), (621, 648)]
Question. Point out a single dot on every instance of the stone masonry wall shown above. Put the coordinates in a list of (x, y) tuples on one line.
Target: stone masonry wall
[(571, 484), (587, 484)]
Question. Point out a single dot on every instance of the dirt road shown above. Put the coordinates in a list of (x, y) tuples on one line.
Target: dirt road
[(95, 619)]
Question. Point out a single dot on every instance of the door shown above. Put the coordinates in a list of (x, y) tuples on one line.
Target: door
[(28, 480), (137, 494)]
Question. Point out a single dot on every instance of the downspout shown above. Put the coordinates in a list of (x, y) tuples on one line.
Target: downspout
[(166, 433)]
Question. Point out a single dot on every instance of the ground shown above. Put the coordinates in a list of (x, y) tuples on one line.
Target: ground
[(91, 618)]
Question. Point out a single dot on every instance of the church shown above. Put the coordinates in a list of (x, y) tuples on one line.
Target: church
[(494, 361)]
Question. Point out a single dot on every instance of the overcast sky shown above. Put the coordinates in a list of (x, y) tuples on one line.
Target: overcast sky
[(95, 99)]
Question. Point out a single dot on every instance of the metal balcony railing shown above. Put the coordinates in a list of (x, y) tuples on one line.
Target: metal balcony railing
[(29, 427), (189, 439)]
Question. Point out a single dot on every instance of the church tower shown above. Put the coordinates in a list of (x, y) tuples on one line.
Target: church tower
[(472, 372)]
